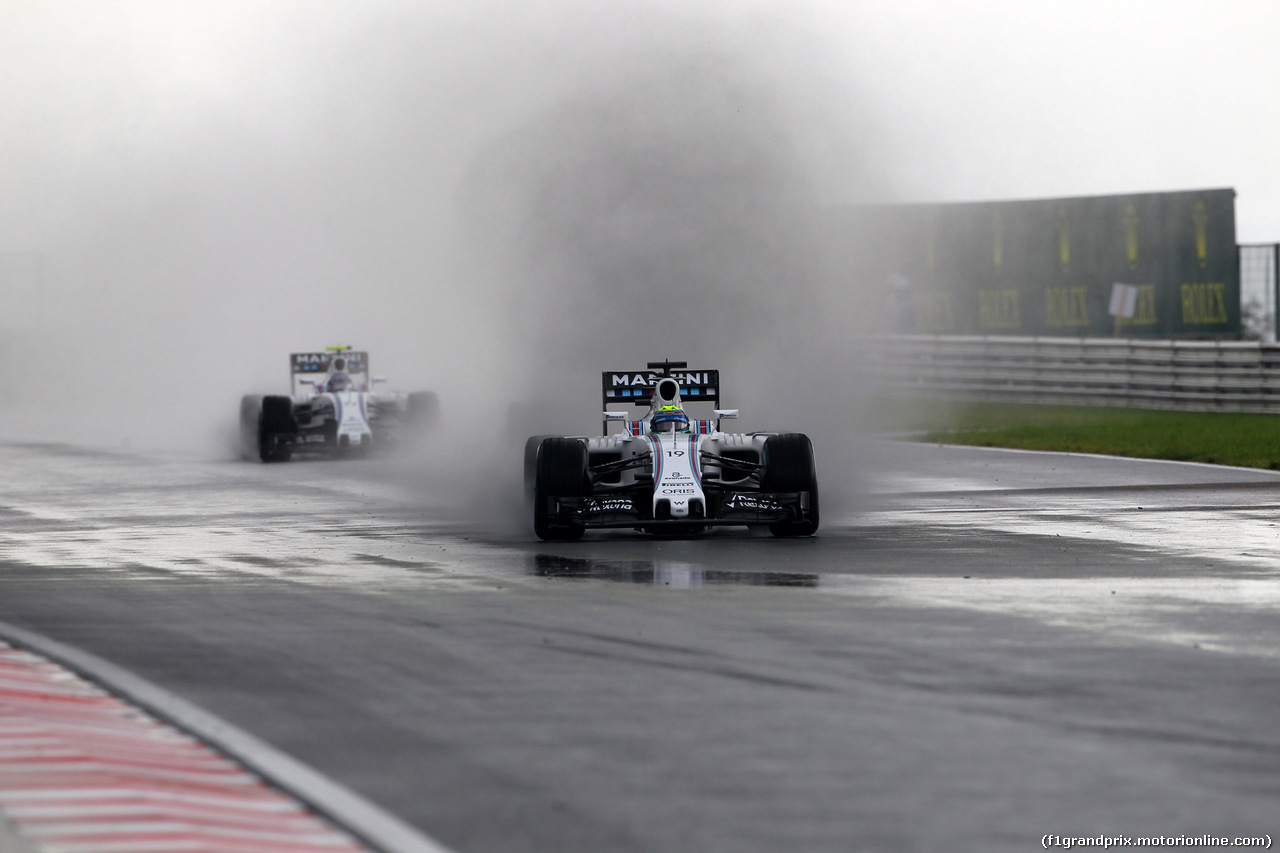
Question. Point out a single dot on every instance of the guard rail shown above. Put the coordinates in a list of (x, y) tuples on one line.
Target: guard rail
[(1238, 376)]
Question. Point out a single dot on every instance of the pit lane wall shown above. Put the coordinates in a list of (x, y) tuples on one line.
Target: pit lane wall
[(1049, 266), (1235, 376)]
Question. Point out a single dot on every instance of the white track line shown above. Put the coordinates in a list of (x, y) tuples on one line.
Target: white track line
[(1264, 473)]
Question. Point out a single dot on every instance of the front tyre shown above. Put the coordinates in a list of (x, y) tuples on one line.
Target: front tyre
[(275, 429), (531, 446), (789, 467), (560, 471)]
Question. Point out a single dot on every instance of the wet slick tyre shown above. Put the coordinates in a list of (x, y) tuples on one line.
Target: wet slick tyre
[(276, 421), (559, 472), (250, 418), (531, 465), (789, 467)]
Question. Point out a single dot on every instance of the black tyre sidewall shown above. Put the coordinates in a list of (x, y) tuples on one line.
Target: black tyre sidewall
[(531, 446), (250, 418), (560, 470), (790, 467), (277, 419)]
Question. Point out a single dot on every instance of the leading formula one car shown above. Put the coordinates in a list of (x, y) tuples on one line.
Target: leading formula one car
[(331, 410), (663, 472)]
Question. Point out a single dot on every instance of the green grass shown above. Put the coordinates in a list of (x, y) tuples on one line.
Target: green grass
[(1224, 438)]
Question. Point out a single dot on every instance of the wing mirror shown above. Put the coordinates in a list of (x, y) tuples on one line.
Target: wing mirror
[(377, 379), (726, 413), (614, 417)]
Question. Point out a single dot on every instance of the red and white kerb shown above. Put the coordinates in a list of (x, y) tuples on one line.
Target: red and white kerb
[(83, 772)]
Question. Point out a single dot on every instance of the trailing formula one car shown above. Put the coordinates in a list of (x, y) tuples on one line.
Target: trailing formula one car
[(663, 472), (331, 410)]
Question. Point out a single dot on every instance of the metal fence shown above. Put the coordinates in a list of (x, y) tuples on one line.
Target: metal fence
[(1236, 376), (1259, 263)]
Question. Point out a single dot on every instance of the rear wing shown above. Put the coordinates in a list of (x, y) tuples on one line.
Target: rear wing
[(310, 370), (635, 387)]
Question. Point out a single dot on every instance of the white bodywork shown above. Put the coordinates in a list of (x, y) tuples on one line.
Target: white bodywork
[(351, 411), (680, 473), (352, 414), (676, 474), (677, 462)]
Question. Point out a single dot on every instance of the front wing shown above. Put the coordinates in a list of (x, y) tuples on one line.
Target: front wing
[(725, 508)]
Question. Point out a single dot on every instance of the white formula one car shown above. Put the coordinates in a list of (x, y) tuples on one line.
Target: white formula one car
[(331, 410), (666, 473)]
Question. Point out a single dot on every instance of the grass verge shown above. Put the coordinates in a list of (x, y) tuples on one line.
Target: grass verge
[(1223, 438)]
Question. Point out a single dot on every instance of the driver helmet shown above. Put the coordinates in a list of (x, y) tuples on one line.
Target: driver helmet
[(669, 419), (338, 382)]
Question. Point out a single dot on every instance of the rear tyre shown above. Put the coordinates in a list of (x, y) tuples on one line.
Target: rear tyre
[(250, 416), (560, 471), (275, 426), (789, 467), (424, 410)]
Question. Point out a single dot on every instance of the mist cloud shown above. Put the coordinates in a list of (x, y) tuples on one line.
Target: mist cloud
[(477, 196)]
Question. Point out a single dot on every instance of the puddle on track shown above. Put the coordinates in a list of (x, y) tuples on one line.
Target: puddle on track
[(659, 573)]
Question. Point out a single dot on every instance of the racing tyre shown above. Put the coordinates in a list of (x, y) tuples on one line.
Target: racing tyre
[(424, 409), (789, 467), (531, 464), (560, 471), (250, 416), (276, 421)]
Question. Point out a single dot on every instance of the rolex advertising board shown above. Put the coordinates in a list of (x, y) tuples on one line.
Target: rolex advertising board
[(1050, 266)]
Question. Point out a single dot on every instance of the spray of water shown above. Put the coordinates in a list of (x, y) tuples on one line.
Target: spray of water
[(497, 205)]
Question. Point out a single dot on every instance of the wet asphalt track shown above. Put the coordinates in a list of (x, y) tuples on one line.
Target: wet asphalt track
[(1004, 646)]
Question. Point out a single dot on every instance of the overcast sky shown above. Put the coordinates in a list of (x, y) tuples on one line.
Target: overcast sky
[(1013, 99), (975, 99)]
